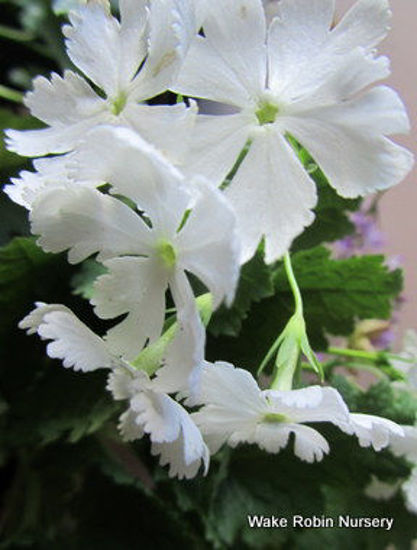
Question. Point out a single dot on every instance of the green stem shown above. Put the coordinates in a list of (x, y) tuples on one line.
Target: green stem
[(358, 354), (293, 284), (15, 35), (10, 95)]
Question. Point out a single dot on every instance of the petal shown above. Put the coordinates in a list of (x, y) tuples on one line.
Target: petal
[(159, 415), (179, 453), (128, 428), (51, 173), (372, 430), (208, 245), (305, 57), (366, 24), (85, 221), (133, 44), (136, 287), (171, 28), (410, 492), (72, 341), (94, 45), (216, 144), (184, 357), (62, 101), (59, 139), (125, 382), (236, 29), (168, 127), (356, 159), (296, 36), (232, 389), (282, 196), (311, 404), (218, 82), (134, 169), (309, 445), (173, 433), (405, 445)]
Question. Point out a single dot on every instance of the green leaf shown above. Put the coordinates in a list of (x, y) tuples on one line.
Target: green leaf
[(255, 284), (83, 281), (58, 404), (24, 269)]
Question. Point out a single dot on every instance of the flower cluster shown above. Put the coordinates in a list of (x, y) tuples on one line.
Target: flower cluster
[(147, 189)]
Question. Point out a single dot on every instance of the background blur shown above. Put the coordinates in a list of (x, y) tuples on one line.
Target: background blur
[(398, 216)]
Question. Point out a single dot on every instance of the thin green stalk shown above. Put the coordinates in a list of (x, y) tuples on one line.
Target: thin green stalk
[(358, 354), (272, 350), (10, 94), (15, 35), (293, 284)]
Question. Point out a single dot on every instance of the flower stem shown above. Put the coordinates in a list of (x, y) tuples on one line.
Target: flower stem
[(10, 94), (293, 284), (358, 354), (15, 35)]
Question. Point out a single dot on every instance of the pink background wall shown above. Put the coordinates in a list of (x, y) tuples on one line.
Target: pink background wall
[(398, 215)]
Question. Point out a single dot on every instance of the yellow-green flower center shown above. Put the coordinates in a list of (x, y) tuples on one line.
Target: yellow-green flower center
[(271, 418), (267, 113), (167, 253), (119, 103)]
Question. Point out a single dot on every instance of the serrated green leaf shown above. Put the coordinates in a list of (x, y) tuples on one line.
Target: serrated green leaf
[(23, 268)]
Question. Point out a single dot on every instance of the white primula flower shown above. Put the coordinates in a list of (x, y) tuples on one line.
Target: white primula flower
[(143, 260), (409, 489), (72, 341), (129, 61), (381, 490), (407, 448), (300, 77), (372, 431), (237, 411), (173, 434)]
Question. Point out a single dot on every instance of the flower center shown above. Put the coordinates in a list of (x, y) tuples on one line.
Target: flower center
[(271, 418), (119, 103), (167, 253), (266, 113)]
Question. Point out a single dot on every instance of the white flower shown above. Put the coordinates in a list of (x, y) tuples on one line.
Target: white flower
[(72, 341), (372, 430), (129, 61), (173, 434), (407, 448), (142, 261), (381, 490), (237, 411), (299, 77), (409, 489)]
